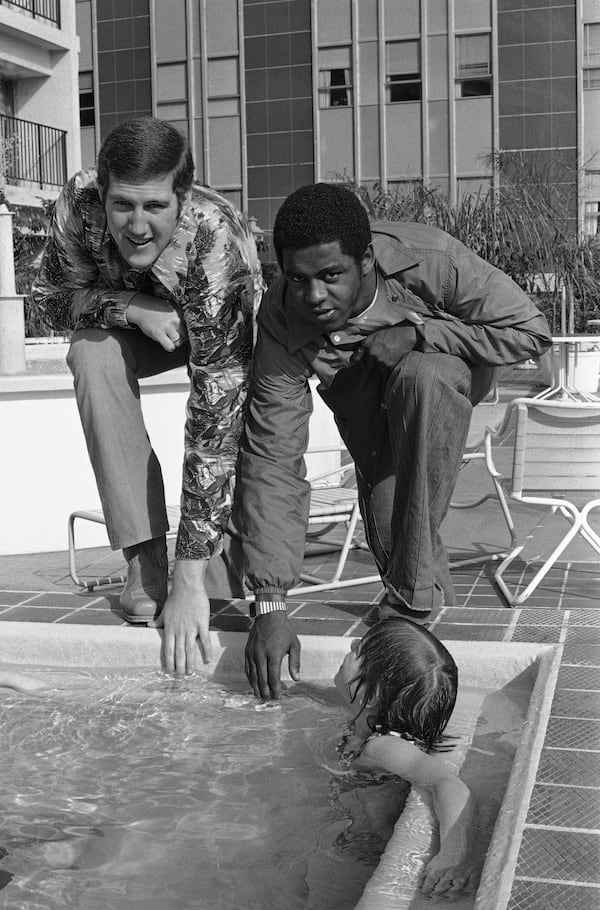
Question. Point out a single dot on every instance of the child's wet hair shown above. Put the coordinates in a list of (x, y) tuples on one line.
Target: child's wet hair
[(407, 680)]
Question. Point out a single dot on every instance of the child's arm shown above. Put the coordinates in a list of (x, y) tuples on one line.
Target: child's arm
[(454, 868), (11, 679)]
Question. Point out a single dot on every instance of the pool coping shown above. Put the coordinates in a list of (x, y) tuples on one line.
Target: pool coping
[(70, 645)]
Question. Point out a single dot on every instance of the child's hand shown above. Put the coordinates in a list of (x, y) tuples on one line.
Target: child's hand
[(447, 876)]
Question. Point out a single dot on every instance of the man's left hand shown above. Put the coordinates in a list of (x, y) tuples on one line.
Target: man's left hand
[(185, 617), (384, 349)]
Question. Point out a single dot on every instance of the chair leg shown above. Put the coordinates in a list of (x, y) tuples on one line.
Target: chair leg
[(499, 495), (314, 584), (90, 583), (514, 598)]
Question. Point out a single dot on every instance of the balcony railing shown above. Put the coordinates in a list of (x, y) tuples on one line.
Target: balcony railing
[(47, 10), (32, 153)]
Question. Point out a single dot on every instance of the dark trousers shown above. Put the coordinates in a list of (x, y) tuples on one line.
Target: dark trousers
[(428, 405)]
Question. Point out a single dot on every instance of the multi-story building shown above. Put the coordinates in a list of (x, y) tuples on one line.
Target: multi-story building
[(39, 105), (277, 93)]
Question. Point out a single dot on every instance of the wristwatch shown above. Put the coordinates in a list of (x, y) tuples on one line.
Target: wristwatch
[(267, 603)]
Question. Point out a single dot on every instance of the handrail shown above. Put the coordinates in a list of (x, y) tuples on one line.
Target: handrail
[(48, 10), (32, 152)]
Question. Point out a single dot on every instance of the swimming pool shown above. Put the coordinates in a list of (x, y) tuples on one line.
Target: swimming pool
[(522, 677)]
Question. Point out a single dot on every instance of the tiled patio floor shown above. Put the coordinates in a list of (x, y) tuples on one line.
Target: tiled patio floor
[(559, 860)]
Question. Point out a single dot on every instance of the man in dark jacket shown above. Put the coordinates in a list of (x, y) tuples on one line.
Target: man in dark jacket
[(403, 326)]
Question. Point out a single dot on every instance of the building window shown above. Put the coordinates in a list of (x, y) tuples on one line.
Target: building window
[(592, 219), (335, 77), (403, 71), (171, 92), (223, 87), (591, 55), (87, 112), (473, 66)]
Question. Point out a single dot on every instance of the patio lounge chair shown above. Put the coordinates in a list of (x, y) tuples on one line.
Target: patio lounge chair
[(333, 505), (333, 502), (553, 463)]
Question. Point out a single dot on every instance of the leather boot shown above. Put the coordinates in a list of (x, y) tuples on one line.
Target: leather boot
[(145, 590)]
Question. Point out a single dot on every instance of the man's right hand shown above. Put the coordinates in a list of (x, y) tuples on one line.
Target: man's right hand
[(157, 319), (271, 637)]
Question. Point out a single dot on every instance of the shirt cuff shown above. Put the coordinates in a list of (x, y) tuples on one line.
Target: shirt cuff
[(115, 311)]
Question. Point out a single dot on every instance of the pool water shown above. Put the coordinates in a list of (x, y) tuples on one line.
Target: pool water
[(135, 790)]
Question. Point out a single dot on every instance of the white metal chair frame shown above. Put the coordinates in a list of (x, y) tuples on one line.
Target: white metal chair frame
[(333, 501), (555, 459), (97, 516), (497, 494)]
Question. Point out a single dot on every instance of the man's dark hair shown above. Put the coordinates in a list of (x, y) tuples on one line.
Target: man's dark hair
[(143, 149), (322, 213)]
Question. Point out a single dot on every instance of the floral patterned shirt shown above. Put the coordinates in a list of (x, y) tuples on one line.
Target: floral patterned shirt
[(210, 273)]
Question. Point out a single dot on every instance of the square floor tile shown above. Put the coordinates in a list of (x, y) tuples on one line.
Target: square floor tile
[(553, 896), (568, 767), (573, 703), (573, 733), (565, 807), (584, 654), (460, 631), (563, 855), (34, 614), (589, 635), (10, 598), (539, 634), (89, 617), (579, 678)]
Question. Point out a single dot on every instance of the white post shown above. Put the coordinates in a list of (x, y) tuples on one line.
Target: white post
[(12, 316)]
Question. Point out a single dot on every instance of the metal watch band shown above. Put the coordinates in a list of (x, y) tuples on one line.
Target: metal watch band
[(259, 608)]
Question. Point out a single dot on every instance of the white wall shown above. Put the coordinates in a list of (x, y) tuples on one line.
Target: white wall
[(45, 472)]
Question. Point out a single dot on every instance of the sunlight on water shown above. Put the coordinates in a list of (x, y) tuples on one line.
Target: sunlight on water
[(123, 790)]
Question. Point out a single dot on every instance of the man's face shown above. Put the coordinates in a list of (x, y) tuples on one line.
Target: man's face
[(141, 218), (327, 285)]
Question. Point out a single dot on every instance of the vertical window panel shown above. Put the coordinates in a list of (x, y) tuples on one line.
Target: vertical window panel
[(368, 61), (170, 30), (87, 111), (591, 55), (403, 71), (223, 77), (225, 151), (473, 66), (335, 77), (171, 82), (221, 26), (402, 18), (334, 21)]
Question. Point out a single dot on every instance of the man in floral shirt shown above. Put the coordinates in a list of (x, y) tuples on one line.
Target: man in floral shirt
[(153, 272)]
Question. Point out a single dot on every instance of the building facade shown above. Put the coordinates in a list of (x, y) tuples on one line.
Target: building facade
[(277, 93), (39, 103)]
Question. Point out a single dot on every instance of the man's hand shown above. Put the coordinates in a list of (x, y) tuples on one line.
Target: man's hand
[(271, 637), (185, 617), (384, 349), (157, 319)]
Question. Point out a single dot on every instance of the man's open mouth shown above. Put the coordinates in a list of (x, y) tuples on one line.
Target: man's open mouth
[(139, 242)]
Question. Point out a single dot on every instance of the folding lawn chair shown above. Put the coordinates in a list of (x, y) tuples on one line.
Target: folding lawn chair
[(554, 462)]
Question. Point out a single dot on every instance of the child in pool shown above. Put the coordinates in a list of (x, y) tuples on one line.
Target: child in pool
[(13, 679), (403, 683)]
